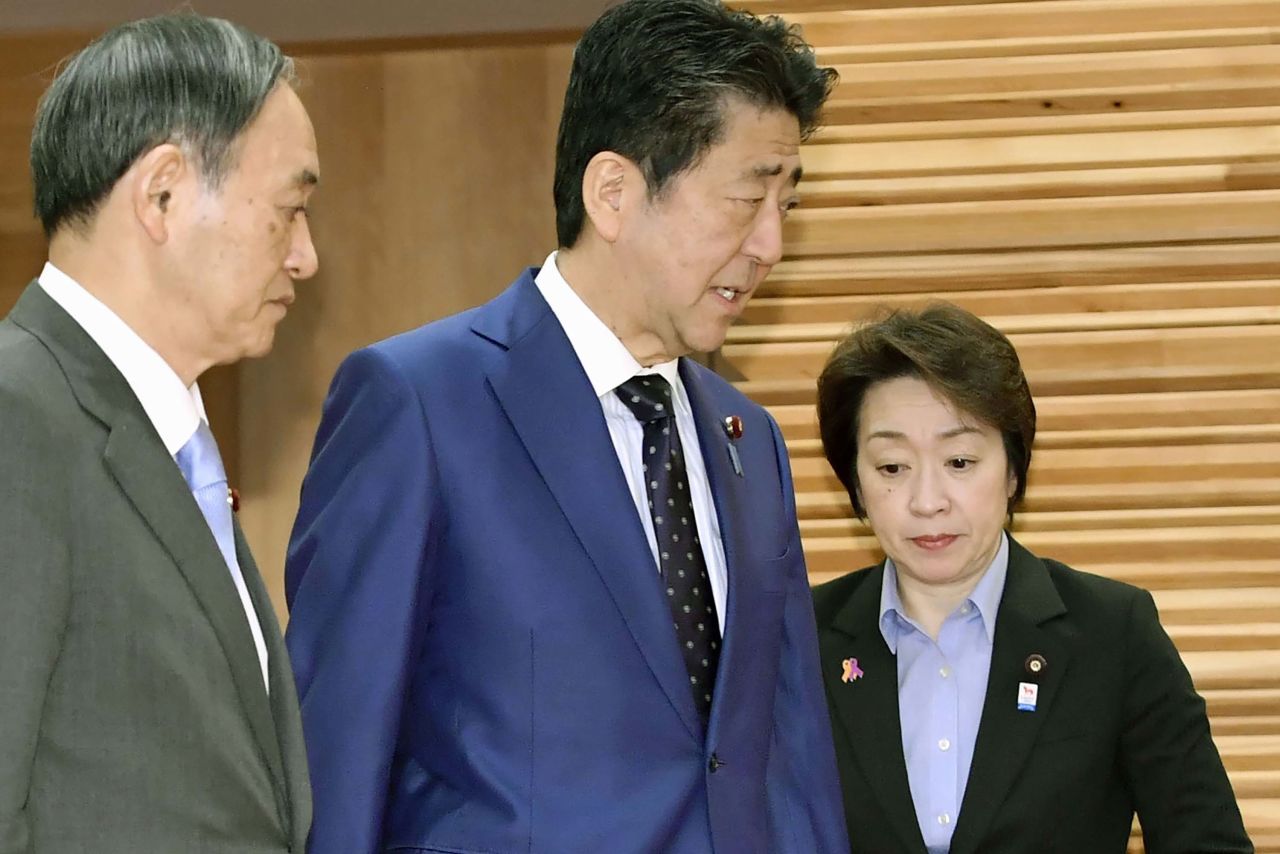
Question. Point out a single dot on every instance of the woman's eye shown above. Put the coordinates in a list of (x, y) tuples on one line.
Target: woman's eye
[(961, 464), (890, 468)]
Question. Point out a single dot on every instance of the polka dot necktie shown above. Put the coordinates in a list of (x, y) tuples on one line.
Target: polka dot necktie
[(685, 582)]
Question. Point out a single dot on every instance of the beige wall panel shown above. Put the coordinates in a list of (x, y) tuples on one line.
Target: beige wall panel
[(435, 192)]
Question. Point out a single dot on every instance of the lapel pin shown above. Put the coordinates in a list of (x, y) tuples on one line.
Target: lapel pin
[(1027, 694), (733, 429), (233, 498), (1036, 664), (851, 670)]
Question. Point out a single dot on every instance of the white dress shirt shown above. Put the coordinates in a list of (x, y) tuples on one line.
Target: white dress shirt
[(609, 364), (173, 409)]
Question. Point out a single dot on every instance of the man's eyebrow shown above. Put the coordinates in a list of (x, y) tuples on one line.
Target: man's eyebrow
[(763, 171)]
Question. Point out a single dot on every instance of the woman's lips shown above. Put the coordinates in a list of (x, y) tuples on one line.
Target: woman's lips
[(935, 542)]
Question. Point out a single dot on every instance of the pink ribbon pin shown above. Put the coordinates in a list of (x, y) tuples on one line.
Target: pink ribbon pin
[(851, 670)]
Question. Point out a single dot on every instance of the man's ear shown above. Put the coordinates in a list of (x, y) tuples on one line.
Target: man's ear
[(610, 184), (155, 183)]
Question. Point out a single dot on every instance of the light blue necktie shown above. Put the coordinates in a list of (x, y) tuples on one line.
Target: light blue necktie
[(201, 465)]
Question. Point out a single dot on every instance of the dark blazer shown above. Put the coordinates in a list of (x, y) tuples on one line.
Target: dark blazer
[(133, 716), (484, 652), (1118, 726)]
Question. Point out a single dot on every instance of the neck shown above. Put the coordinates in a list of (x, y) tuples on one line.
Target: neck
[(929, 605), (603, 285), (123, 285)]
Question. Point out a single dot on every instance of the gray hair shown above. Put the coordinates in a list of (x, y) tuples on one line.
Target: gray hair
[(180, 78)]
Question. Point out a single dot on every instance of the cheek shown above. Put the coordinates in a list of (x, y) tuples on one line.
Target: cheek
[(877, 499)]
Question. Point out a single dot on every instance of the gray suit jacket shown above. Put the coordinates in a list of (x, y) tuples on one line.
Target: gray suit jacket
[(133, 718)]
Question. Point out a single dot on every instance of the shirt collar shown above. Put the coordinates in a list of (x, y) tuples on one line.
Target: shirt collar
[(174, 410), (985, 597), (605, 359)]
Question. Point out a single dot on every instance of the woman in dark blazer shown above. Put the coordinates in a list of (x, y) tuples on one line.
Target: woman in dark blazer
[(985, 700)]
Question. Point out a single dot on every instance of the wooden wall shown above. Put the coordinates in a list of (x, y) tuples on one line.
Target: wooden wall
[(1101, 180)]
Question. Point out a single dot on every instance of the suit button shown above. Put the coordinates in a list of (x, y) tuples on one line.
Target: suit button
[(714, 764)]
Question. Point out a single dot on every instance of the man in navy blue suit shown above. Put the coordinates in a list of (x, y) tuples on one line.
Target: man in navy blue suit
[(546, 582)]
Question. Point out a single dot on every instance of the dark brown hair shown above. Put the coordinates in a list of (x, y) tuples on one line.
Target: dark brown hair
[(963, 359)]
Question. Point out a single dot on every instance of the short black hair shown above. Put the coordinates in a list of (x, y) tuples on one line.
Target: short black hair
[(650, 81), (962, 358), (180, 78)]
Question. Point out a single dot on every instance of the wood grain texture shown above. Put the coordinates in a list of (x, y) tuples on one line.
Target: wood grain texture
[(1099, 179)]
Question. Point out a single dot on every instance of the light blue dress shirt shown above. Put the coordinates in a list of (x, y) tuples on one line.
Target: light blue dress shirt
[(941, 689)]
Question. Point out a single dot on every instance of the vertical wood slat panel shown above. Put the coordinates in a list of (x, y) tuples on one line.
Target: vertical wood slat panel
[(1099, 178)]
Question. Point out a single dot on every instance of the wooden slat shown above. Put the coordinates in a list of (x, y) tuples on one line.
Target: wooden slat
[(918, 271), (1047, 45), (952, 157), (1116, 72), (787, 7), (1089, 123), (986, 21), (1144, 180), (1233, 89), (1034, 223), (1067, 299), (1172, 318)]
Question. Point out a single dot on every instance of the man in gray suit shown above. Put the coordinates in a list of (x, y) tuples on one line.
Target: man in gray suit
[(146, 702)]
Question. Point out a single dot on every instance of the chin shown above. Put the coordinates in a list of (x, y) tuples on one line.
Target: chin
[(261, 347)]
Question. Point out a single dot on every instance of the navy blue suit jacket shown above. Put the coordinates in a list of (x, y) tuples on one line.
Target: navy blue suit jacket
[(485, 658)]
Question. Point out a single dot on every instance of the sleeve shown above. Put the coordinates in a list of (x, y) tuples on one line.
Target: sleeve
[(35, 577), (357, 581), (806, 813), (1181, 792)]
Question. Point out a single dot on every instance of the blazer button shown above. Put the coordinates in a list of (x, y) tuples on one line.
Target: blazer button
[(714, 764)]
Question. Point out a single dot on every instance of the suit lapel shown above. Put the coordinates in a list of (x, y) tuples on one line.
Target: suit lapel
[(546, 395), (866, 708), (1006, 736), (741, 583), (150, 479), (286, 754)]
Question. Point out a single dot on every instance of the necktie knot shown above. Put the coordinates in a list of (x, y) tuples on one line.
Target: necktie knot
[(648, 396), (199, 460)]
